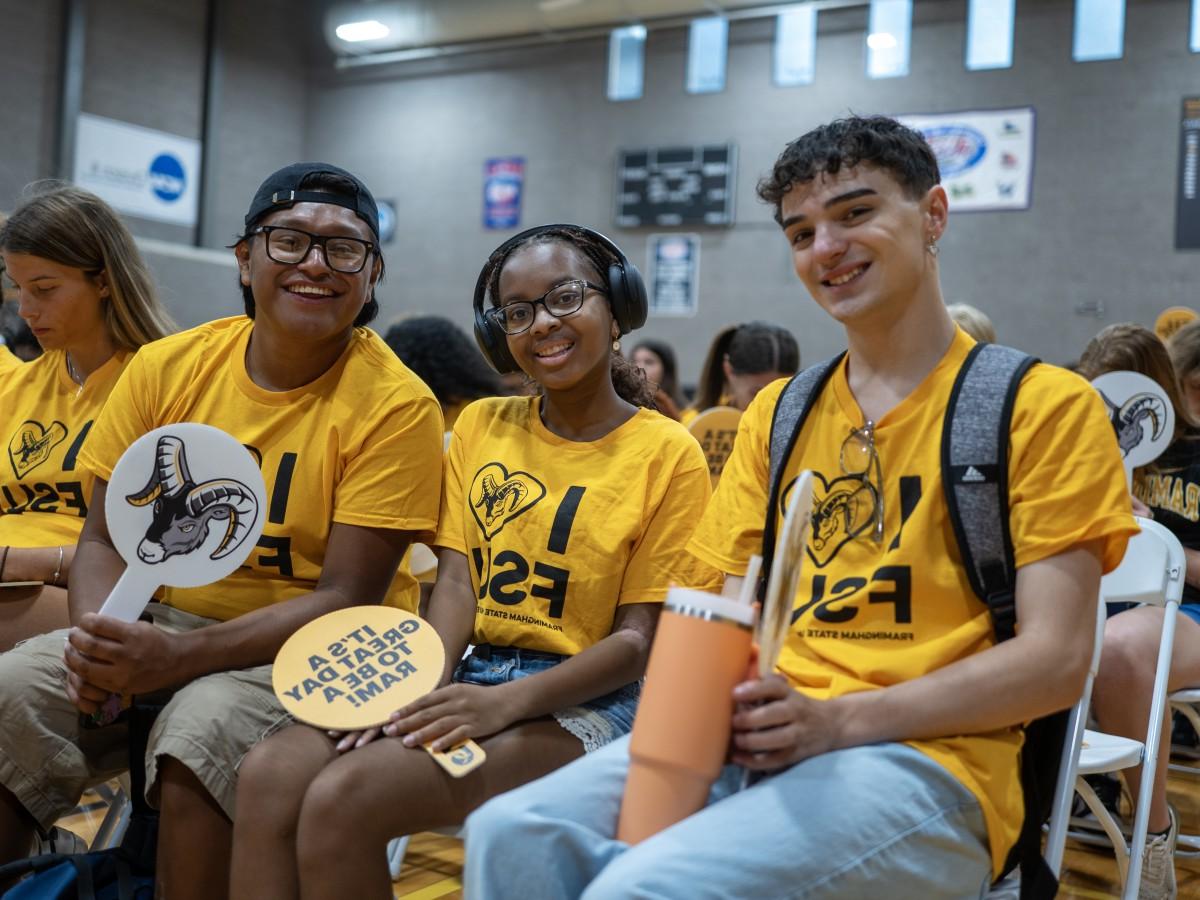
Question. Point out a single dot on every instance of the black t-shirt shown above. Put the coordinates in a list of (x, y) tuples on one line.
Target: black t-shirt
[(1171, 488)]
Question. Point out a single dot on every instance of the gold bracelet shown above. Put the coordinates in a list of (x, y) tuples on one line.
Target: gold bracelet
[(57, 568), (3, 562)]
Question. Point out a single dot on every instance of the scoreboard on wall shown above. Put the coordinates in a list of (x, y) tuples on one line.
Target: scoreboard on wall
[(672, 186)]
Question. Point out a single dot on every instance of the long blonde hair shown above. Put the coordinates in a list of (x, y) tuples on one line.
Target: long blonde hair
[(73, 227)]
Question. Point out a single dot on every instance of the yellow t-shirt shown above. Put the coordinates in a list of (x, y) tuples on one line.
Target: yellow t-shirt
[(45, 418), (560, 533), (7, 360), (867, 614), (360, 445)]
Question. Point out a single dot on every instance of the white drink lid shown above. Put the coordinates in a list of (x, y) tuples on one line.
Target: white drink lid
[(688, 602)]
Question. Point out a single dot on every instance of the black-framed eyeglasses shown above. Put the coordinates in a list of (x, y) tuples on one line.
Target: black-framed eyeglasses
[(291, 245), (559, 301), (859, 458)]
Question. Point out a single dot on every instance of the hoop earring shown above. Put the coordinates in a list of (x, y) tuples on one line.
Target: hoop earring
[(616, 345)]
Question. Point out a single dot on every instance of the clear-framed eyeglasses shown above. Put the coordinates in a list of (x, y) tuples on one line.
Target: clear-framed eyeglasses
[(559, 301), (859, 458), (291, 245)]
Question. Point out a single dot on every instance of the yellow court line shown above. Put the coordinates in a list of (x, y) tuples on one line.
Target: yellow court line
[(435, 890)]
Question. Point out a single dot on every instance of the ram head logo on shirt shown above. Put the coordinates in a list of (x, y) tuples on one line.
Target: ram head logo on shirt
[(31, 445), (183, 509), (1128, 419), (498, 497), (842, 510)]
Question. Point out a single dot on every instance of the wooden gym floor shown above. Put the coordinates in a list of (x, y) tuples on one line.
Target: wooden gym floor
[(433, 864)]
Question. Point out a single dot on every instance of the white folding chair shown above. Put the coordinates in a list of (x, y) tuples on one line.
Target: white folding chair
[(1151, 572), (1187, 702), (1064, 790)]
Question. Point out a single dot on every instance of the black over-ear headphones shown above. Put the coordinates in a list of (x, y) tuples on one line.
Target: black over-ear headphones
[(627, 297)]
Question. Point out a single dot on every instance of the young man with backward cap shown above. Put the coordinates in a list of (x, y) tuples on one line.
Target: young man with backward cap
[(885, 746), (349, 442)]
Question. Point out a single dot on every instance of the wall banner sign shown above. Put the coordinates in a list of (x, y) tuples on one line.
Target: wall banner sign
[(1187, 204), (985, 157), (503, 179), (139, 171), (674, 282)]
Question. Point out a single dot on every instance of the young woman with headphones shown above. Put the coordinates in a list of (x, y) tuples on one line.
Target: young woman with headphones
[(563, 522)]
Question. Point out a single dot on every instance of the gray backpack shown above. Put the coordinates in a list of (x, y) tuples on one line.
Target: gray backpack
[(975, 437)]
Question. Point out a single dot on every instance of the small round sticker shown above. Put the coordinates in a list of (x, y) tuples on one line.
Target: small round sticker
[(1140, 413), (352, 668)]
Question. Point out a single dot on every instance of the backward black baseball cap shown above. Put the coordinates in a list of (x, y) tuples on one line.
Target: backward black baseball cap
[(281, 190)]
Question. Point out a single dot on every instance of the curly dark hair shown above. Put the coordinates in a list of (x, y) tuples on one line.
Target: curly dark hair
[(444, 358), (875, 140), (628, 380), (332, 184)]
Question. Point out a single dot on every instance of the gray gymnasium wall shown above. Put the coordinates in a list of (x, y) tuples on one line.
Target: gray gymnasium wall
[(1101, 227), (144, 64)]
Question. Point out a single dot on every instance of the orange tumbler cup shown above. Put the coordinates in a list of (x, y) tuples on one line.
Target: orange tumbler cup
[(681, 734)]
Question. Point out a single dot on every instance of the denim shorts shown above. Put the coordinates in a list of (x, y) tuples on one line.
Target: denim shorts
[(595, 722)]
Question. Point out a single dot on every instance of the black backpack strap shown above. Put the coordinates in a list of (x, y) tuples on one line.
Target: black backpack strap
[(791, 410), (975, 439), (975, 474)]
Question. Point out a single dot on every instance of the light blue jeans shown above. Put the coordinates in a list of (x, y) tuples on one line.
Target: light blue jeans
[(868, 822)]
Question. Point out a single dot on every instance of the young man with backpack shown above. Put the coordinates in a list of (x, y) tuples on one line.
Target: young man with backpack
[(886, 747)]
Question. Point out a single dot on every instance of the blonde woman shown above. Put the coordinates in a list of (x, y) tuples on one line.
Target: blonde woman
[(87, 296)]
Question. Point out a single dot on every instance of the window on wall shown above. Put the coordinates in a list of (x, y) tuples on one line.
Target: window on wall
[(889, 30), (796, 46), (708, 44), (626, 62), (1194, 43), (990, 34), (1099, 30)]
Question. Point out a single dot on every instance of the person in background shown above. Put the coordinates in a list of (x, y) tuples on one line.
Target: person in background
[(561, 614), (656, 359), (742, 360), (1164, 490), (82, 287), (1184, 347), (973, 321), (442, 356)]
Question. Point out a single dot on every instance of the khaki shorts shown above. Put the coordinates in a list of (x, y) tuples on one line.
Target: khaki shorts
[(47, 759)]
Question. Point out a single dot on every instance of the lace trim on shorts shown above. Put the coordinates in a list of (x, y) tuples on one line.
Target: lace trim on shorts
[(592, 729)]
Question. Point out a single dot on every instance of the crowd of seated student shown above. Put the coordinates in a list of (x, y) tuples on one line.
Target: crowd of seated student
[(554, 684), (350, 441), (89, 299), (929, 724)]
